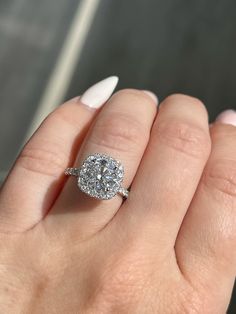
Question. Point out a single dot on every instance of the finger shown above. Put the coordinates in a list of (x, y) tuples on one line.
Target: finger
[(38, 174), (121, 131), (170, 171), (206, 245)]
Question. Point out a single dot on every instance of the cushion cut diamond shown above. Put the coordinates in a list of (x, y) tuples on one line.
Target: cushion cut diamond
[(100, 176)]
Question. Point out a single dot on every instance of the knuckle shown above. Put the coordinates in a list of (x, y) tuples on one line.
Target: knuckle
[(183, 137), (118, 132), (221, 176), (221, 131), (186, 104), (181, 98), (132, 94), (50, 162)]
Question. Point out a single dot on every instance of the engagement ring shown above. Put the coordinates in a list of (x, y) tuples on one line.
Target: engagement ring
[(100, 176)]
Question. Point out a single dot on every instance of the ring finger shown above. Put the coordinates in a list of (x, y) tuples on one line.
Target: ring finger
[(121, 131)]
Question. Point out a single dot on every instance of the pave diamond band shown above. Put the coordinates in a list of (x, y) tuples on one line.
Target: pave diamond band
[(72, 172), (100, 176)]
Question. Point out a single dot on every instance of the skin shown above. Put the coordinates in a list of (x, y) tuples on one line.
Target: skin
[(169, 248)]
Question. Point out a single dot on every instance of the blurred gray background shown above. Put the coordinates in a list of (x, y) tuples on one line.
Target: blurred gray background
[(51, 50)]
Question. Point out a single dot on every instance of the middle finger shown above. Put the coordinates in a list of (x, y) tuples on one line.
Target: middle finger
[(170, 170)]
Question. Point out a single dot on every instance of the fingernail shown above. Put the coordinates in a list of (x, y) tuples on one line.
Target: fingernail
[(227, 117), (152, 95), (99, 93)]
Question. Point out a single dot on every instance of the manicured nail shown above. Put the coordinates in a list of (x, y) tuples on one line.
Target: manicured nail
[(152, 95), (227, 117), (98, 94)]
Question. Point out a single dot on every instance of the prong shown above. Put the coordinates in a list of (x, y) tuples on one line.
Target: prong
[(123, 192)]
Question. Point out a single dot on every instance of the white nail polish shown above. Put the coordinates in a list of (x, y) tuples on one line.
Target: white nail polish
[(152, 95), (227, 117), (98, 94)]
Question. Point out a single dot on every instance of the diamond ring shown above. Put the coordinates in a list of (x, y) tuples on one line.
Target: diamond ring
[(100, 176)]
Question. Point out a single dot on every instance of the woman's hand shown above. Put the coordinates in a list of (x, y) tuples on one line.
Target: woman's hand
[(169, 248)]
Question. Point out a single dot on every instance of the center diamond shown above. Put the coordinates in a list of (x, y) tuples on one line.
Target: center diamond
[(100, 176)]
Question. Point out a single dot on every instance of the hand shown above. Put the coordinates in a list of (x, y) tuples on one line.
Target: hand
[(169, 248)]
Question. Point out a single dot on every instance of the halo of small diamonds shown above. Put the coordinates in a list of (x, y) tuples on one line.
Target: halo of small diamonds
[(100, 176)]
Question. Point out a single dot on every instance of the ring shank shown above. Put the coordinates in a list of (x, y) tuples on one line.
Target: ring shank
[(123, 192), (72, 172)]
